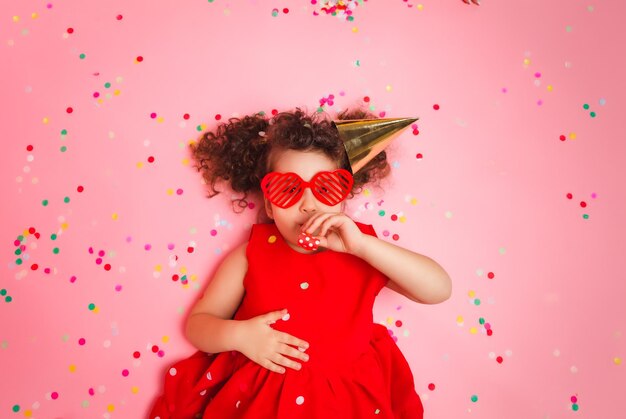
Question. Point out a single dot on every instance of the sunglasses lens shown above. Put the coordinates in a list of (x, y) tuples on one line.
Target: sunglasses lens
[(332, 187), (283, 190)]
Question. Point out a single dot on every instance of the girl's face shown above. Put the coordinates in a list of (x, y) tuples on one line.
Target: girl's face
[(289, 220)]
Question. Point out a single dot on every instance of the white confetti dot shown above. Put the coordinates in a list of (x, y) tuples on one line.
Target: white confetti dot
[(203, 392), (299, 400), (173, 371), (209, 376), (286, 317), (237, 404), (304, 285)]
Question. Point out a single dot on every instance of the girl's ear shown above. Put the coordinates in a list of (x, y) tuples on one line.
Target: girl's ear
[(268, 208)]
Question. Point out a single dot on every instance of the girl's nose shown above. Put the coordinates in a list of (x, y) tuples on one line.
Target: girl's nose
[(307, 202)]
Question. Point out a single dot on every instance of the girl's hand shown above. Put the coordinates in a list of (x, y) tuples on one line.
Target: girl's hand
[(336, 232), (267, 346)]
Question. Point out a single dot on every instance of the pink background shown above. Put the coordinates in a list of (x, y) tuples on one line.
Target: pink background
[(488, 196)]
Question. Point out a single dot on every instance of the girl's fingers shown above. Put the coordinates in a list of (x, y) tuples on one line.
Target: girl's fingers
[(272, 366), (292, 340), (284, 361), (294, 353), (273, 316)]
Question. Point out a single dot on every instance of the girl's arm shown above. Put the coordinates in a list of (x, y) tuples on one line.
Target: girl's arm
[(415, 276), (209, 326)]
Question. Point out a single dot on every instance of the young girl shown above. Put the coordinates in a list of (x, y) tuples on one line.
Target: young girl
[(285, 327)]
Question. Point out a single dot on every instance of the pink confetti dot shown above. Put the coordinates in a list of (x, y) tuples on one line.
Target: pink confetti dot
[(574, 399), (161, 354), (148, 246), (504, 90), (91, 391), (537, 75), (118, 288), (125, 373), (153, 115), (73, 279), (54, 395), (179, 191), (539, 102), (98, 261), (81, 341), (101, 253), (170, 246), (213, 232)]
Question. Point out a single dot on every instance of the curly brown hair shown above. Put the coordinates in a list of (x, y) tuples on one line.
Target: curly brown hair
[(239, 151)]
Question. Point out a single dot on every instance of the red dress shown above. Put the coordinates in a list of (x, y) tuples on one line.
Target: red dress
[(355, 369)]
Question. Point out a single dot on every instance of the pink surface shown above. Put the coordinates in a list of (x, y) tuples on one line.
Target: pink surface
[(488, 199)]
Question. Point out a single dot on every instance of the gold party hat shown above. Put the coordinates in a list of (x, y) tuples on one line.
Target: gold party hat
[(365, 138)]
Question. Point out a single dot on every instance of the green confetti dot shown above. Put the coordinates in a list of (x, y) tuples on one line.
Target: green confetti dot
[(474, 398), (53, 236), (66, 199), (85, 403), (63, 149), (82, 56), (274, 13), (107, 85), (381, 213), (320, 109), (92, 306), (586, 216), (3, 292), (481, 321), (16, 408), (20, 238), (372, 108), (199, 128), (568, 28), (350, 18), (8, 299), (44, 202), (358, 63), (477, 301), (18, 261), (65, 338), (575, 407), (592, 114), (261, 113), (585, 106), (18, 252), (55, 250), (63, 132)]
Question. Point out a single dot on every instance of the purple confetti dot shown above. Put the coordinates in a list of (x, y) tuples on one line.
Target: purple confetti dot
[(386, 233), (170, 246), (148, 246), (118, 288)]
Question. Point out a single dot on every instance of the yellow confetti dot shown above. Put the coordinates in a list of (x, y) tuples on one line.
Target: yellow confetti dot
[(158, 268), (45, 120), (165, 339), (185, 162), (100, 101), (271, 239), (366, 192), (473, 330), (572, 135), (72, 368), (526, 61), (183, 270), (355, 29), (110, 408), (389, 320), (549, 88), (420, 7), (160, 119), (617, 360), (134, 389), (28, 413), (64, 226), (414, 201), (96, 310), (117, 92), (471, 293), (34, 15), (388, 88), (16, 18), (459, 319), (402, 219), (170, 191), (115, 216), (139, 164)]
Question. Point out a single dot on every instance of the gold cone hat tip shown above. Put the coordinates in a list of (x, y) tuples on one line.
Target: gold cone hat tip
[(365, 138)]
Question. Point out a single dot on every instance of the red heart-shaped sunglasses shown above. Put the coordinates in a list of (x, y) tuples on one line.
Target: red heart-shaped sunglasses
[(285, 189)]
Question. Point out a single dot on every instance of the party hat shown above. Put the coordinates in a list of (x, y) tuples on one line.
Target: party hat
[(365, 138)]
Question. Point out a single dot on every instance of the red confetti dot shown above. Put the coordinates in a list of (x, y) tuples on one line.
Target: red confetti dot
[(562, 137), (175, 277), (398, 323), (490, 275), (80, 188), (436, 107), (70, 30), (136, 354), (285, 10), (489, 332), (155, 348), (416, 132), (69, 110), (31, 230), (34, 266), (139, 59), (218, 117), (569, 196), (431, 386), (419, 156), (274, 112), (119, 17), (186, 116), (29, 148), (499, 359), (394, 217), (366, 99), (150, 159), (190, 249), (37, 235), (395, 237), (583, 204), (107, 267)]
